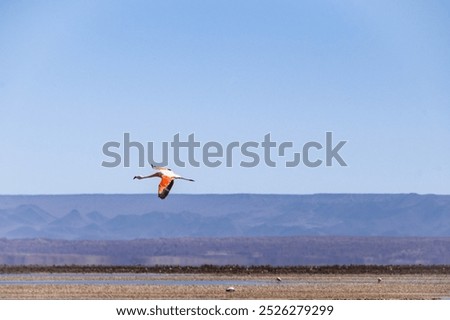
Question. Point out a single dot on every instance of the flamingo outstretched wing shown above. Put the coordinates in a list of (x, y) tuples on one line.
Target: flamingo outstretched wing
[(164, 186)]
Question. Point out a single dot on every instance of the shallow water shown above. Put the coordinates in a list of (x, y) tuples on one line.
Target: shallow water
[(175, 280), (118, 279)]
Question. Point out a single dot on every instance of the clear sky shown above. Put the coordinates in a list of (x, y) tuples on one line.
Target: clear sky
[(75, 75)]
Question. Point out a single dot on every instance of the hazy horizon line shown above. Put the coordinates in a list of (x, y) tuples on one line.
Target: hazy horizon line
[(225, 194)]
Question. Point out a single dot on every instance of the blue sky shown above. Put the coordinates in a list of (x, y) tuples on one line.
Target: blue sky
[(76, 75)]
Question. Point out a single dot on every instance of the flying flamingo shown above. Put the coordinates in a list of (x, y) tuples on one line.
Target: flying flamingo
[(167, 178)]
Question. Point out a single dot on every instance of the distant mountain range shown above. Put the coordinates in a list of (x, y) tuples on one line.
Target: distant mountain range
[(127, 217)]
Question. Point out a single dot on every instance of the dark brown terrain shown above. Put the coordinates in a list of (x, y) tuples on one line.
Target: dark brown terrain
[(236, 270)]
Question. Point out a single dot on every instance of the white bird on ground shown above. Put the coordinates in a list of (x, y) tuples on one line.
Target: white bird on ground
[(230, 289), (167, 178)]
